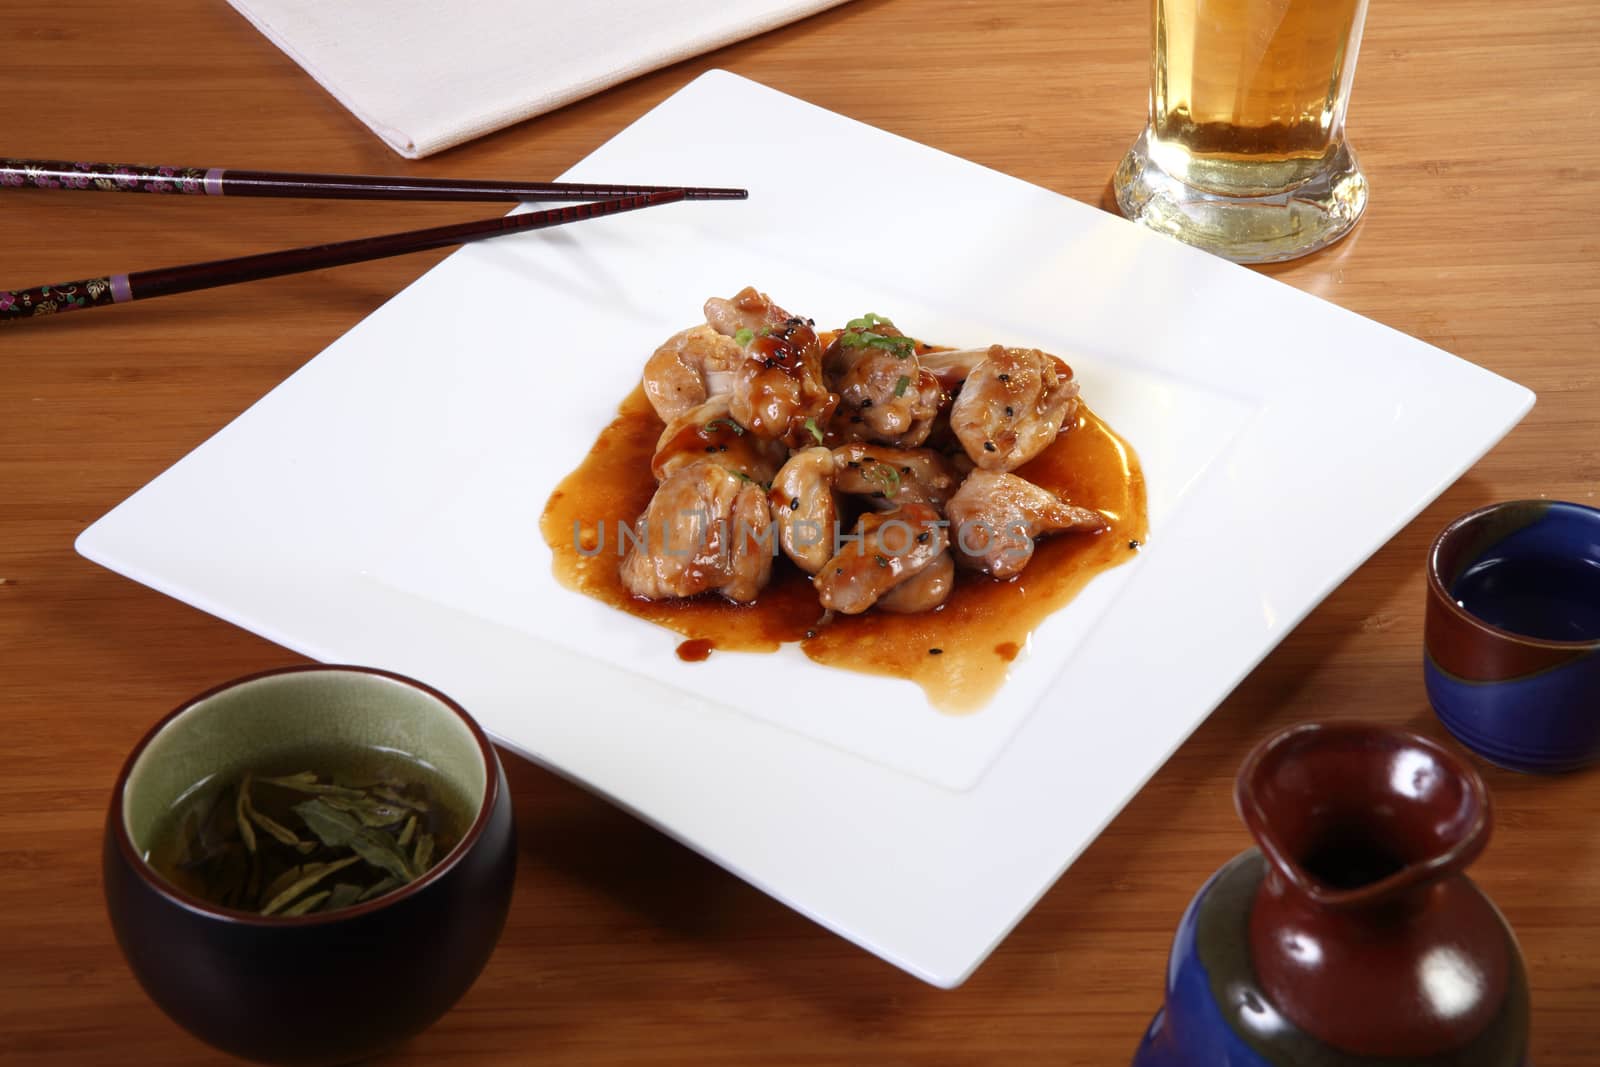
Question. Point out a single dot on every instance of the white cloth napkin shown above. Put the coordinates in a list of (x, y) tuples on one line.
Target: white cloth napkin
[(429, 74)]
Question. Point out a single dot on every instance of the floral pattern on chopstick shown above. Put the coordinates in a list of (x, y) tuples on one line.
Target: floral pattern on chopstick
[(49, 299), (109, 177)]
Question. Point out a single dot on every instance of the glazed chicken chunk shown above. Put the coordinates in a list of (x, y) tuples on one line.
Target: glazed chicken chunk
[(778, 392), (709, 430), (748, 309), (888, 549), (995, 518), (889, 477), (777, 389), (805, 507), (924, 591), (689, 368), (1013, 406), (707, 529), (888, 397)]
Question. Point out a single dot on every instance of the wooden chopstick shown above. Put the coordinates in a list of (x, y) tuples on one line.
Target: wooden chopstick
[(216, 181), (141, 285)]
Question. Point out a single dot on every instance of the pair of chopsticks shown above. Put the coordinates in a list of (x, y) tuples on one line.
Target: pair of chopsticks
[(596, 201)]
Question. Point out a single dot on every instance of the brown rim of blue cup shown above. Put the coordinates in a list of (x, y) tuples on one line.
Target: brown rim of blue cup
[(1449, 602), (1526, 702)]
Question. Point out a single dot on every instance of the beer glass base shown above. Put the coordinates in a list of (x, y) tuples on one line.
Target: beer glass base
[(1267, 228)]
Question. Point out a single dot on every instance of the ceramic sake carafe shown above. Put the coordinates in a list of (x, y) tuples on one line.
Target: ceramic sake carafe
[(1351, 935)]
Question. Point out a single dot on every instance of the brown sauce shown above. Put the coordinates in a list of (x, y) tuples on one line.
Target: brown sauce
[(959, 654), (696, 650)]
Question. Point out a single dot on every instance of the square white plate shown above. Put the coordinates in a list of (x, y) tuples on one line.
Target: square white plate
[(381, 507)]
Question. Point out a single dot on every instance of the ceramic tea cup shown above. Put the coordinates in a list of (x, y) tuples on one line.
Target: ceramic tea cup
[(325, 987), (1512, 634)]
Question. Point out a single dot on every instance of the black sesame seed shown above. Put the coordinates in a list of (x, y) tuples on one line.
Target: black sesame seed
[(882, 562), (711, 448), (905, 470), (935, 651), (922, 538), (722, 448), (855, 418), (1134, 545), (867, 403), (1009, 412), (852, 464), (988, 446), (811, 633), (793, 504), (1005, 377)]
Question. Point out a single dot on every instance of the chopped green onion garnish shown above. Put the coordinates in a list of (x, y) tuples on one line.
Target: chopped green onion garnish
[(811, 425), (859, 332), (711, 427), (883, 472), (900, 386), (744, 335), (900, 346)]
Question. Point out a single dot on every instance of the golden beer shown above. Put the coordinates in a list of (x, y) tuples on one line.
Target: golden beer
[(1245, 152)]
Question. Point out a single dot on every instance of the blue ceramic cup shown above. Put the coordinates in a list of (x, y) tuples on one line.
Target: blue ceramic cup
[(1512, 636)]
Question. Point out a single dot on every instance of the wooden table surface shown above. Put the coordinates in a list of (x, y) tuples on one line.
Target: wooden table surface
[(1474, 122)]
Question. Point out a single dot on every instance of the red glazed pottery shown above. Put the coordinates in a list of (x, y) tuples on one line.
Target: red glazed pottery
[(1351, 936)]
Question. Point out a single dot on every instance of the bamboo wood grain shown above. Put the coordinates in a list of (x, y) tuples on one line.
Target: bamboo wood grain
[(623, 947)]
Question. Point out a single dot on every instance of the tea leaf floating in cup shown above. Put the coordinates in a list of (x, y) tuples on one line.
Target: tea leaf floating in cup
[(339, 829), (310, 875), (297, 844)]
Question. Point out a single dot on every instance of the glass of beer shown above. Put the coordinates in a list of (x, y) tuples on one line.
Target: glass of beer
[(1245, 154)]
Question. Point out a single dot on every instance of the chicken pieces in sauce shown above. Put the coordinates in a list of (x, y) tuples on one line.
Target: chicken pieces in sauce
[(886, 550), (924, 591), (806, 507), (767, 362), (1012, 406), (710, 430), (998, 517), (706, 530), (772, 443), (887, 476), (883, 390), (777, 391), (689, 368)]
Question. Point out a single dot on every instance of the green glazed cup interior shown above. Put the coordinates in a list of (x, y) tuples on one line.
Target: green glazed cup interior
[(251, 722)]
